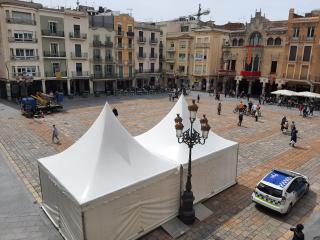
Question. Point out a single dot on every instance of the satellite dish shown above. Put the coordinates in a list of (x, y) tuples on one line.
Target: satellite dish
[(206, 12)]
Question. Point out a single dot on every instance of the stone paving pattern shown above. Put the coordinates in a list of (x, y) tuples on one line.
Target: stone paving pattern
[(262, 147)]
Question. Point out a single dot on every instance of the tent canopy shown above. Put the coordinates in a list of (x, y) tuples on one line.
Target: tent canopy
[(162, 139), (308, 94), (284, 92), (105, 159)]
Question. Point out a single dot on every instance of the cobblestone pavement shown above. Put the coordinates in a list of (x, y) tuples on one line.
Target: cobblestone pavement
[(262, 147)]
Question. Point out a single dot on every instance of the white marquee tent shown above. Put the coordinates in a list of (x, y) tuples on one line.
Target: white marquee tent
[(214, 164), (107, 186)]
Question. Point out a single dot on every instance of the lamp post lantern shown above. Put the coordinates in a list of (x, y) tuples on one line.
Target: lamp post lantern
[(190, 137)]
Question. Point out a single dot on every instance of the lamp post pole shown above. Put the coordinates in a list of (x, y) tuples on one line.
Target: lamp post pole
[(190, 137)]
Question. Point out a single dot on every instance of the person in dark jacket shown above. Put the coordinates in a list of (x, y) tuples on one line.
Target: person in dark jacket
[(297, 232), (283, 121), (240, 118), (198, 98), (219, 108), (115, 111), (293, 137)]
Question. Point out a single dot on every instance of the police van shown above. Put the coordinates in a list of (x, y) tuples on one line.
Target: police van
[(279, 190)]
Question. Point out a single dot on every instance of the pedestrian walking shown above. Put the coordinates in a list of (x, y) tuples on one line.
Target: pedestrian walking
[(293, 139), (256, 115), (300, 109), (297, 232), (283, 121), (198, 98), (115, 111), (55, 134), (225, 93), (219, 108), (240, 118), (292, 126)]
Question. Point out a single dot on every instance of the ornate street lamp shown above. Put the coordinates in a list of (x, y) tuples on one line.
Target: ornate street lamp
[(190, 137)]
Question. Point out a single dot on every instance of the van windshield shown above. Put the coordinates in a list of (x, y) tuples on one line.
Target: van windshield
[(270, 190)]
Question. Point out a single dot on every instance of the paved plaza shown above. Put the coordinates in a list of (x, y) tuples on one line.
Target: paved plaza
[(262, 147)]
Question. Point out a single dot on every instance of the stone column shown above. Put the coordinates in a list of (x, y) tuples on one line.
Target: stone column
[(263, 87), (279, 86), (207, 84), (8, 87), (90, 86), (68, 87), (43, 86), (250, 87), (237, 87), (311, 88), (224, 83), (134, 82)]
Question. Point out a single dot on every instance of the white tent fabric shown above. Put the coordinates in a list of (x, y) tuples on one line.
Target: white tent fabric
[(107, 186), (308, 94), (284, 92), (214, 164)]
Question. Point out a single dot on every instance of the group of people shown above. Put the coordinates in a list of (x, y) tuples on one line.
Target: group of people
[(306, 110), (293, 130)]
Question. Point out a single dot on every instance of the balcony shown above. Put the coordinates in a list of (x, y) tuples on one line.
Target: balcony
[(21, 21), (108, 59), (223, 72), (25, 75), (97, 43), (141, 40), (295, 39), (153, 41), (48, 54), (170, 60), (170, 71), (130, 46), (100, 75), (78, 35), (153, 56), (202, 45), (54, 74), (171, 49), (24, 40), (141, 56), (147, 71), (181, 73), (130, 34), (120, 46), (119, 33), (108, 44), (97, 59), (80, 74), (250, 73), (77, 56), (48, 33), (24, 58)]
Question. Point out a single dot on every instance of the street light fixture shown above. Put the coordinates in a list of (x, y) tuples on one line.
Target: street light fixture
[(190, 137)]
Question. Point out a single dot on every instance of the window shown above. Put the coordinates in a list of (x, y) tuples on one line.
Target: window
[(129, 28), (29, 53), (255, 39), (199, 56), (23, 36), (198, 69), (79, 67), (172, 45), (77, 50), (293, 53), (140, 34), (204, 69), (140, 67), (26, 71), (270, 190), (19, 52), (273, 66), (181, 69), (182, 56), (310, 33), (270, 41), (152, 52), (76, 29), (96, 38), (306, 53), (140, 51), (153, 36), (277, 41), (182, 44), (171, 67), (256, 62), (54, 48), (296, 31), (130, 56), (108, 39), (233, 65), (23, 16), (234, 42), (108, 54), (96, 53), (184, 29), (55, 67), (109, 69), (53, 27), (241, 42), (152, 67)]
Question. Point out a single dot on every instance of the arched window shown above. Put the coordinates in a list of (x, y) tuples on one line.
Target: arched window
[(270, 41), (234, 42), (277, 41), (255, 39), (241, 42)]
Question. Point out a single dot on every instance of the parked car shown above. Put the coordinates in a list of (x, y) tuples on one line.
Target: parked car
[(279, 190)]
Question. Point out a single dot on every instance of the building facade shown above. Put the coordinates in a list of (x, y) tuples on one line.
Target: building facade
[(254, 54), (300, 69), (146, 55), (102, 60), (124, 49)]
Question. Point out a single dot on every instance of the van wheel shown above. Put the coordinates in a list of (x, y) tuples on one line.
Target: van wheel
[(307, 190), (289, 209)]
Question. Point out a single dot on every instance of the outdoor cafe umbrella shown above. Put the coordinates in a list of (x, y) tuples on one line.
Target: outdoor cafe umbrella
[(308, 94), (284, 92)]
